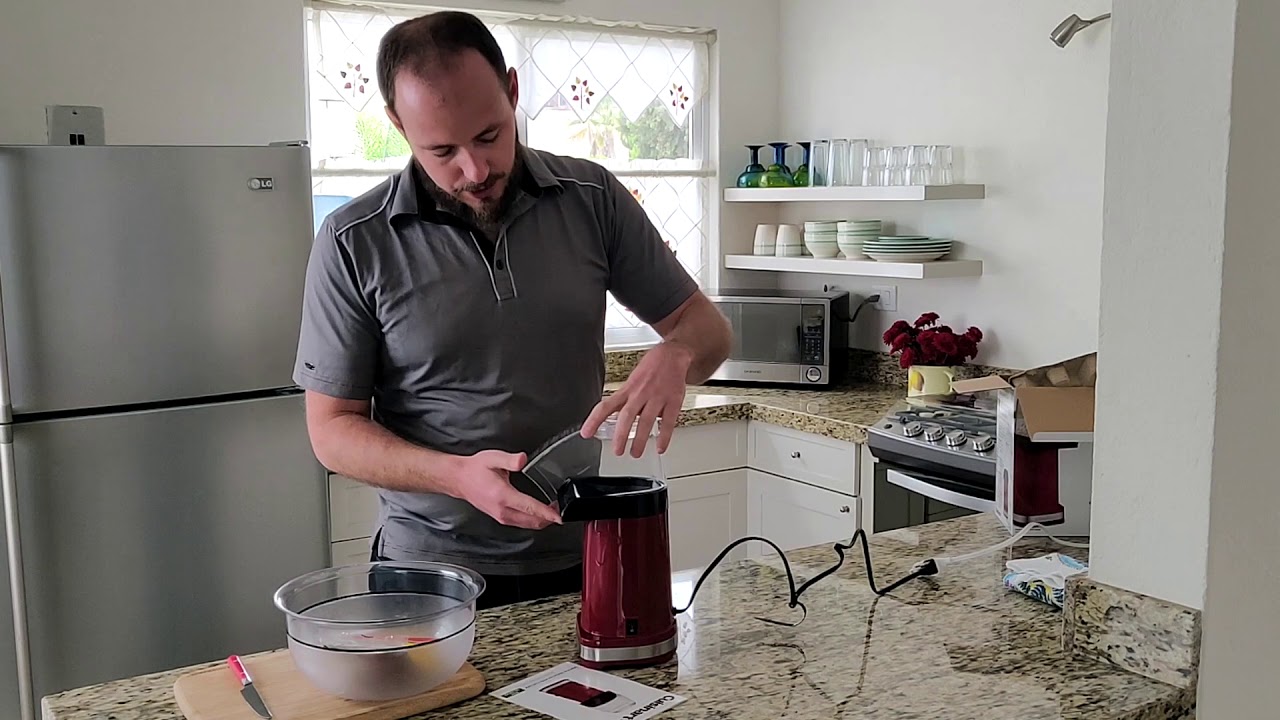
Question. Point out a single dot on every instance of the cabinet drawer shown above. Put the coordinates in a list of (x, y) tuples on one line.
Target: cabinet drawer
[(353, 508), (795, 515), (695, 450), (809, 458), (349, 552)]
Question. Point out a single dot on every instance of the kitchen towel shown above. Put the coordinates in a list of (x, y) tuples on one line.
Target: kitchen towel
[(1043, 578)]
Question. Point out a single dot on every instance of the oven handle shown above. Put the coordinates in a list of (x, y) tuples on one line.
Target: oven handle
[(916, 485)]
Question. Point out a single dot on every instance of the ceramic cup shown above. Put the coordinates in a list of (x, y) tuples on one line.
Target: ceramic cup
[(766, 239), (790, 241)]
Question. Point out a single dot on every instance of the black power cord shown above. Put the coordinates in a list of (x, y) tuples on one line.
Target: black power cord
[(928, 567)]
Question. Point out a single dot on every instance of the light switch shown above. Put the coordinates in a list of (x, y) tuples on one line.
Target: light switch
[(75, 125)]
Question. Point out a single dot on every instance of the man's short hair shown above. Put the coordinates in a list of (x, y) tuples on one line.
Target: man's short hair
[(433, 42)]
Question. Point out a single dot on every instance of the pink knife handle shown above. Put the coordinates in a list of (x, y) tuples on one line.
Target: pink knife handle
[(237, 667)]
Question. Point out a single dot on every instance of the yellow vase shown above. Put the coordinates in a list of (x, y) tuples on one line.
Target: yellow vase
[(929, 380)]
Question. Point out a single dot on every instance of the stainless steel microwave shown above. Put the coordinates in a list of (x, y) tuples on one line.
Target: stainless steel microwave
[(785, 337)]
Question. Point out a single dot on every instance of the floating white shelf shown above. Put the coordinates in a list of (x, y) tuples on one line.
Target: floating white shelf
[(856, 193), (865, 268)]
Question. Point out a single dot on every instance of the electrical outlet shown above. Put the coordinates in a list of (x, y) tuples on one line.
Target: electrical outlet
[(888, 297), (75, 125)]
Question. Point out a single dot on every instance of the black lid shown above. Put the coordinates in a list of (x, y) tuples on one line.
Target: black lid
[(611, 498)]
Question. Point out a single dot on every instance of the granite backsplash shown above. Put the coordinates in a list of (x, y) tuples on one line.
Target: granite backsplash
[(865, 366)]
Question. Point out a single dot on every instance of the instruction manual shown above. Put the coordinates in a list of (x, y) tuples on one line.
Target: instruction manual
[(572, 692)]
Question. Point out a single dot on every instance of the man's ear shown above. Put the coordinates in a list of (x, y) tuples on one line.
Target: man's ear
[(513, 87), (395, 119)]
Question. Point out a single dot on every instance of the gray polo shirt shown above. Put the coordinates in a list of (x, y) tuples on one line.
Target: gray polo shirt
[(461, 354)]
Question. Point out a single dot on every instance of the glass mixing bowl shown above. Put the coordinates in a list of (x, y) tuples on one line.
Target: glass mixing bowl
[(381, 631)]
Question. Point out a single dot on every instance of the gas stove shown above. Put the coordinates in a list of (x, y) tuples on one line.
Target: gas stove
[(939, 433)]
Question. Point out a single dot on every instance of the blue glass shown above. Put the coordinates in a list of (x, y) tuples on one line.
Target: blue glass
[(751, 177), (801, 176), (778, 174)]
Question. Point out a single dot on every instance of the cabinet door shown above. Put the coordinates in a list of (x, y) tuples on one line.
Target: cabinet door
[(795, 515), (817, 460), (707, 512)]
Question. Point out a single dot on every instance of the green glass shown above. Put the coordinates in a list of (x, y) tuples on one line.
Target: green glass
[(778, 174), (754, 174), (801, 177)]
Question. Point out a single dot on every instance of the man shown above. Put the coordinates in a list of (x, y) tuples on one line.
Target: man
[(454, 319)]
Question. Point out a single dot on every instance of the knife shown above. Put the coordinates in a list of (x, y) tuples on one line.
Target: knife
[(247, 688)]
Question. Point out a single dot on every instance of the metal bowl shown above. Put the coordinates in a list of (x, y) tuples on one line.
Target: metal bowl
[(381, 631)]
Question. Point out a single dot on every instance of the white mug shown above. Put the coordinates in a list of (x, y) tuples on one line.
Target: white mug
[(766, 239), (790, 241)]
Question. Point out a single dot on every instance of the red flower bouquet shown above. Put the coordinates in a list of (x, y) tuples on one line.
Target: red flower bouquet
[(928, 343)]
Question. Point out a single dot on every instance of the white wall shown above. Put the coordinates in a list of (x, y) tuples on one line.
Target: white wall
[(165, 71), (233, 71), (1161, 282), (1241, 629), (1029, 119)]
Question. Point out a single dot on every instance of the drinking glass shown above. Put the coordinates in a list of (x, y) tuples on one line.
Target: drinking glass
[(940, 165), (895, 165), (857, 160), (873, 166), (818, 158), (838, 163), (918, 165)]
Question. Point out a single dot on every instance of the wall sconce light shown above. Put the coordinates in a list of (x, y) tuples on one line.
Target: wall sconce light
[(1068, 28)]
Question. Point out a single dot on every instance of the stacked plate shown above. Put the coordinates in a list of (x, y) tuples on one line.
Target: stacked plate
[(820, 239), (906, 248), (852, 234)]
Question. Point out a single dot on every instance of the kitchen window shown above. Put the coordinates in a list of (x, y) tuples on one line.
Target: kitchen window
[(632, 98)]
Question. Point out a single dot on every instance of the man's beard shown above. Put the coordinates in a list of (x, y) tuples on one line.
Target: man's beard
[(491, 212)]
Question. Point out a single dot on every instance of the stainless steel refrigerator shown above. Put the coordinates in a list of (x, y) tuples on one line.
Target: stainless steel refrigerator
[(158, 481)]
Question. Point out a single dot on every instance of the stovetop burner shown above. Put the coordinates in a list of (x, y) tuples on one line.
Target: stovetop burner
[(945, 431)]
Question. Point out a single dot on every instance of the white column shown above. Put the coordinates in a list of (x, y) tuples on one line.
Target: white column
[(1168, 135)]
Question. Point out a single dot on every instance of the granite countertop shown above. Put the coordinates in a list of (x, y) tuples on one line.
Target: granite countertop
[(956, 646), (842, 413)]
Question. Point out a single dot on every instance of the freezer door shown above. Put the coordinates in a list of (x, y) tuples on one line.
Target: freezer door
[(138, 274), (155, 540)]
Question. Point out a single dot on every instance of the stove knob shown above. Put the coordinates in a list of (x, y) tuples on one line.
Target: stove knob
[(934, 433), (984, 443), (912, 429), (956, 438)]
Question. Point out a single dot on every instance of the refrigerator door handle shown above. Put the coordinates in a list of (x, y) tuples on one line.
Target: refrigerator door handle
[(6, 398), (17, 585)]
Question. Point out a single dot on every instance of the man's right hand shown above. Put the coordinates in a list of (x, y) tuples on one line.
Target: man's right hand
[(484, 480)]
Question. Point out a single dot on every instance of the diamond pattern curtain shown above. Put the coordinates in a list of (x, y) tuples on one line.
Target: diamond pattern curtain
[(577, 62), (584, 66)]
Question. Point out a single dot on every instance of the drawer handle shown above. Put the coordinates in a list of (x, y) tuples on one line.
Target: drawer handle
[(844, 508), (795, 455)]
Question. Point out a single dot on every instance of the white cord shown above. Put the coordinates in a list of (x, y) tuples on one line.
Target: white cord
[(945, 561)]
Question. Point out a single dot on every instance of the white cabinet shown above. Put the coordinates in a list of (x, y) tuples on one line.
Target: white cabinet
[(802, 456), (795, 515), (706, 513)]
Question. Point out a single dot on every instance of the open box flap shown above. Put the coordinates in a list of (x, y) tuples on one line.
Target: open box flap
[(1057, 414), (982, 384)]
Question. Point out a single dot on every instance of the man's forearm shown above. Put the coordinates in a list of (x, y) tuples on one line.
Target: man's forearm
[(705, 332), (354, 445)]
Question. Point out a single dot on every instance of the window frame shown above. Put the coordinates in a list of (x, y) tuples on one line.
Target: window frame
[(618, 338)]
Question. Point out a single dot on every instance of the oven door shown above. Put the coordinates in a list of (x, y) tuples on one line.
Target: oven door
[(906, 497)]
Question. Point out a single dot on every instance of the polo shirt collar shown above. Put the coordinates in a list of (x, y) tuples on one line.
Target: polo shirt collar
[(406, 200)]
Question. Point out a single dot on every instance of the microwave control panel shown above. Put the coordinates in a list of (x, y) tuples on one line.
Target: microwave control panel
[(813, 336)]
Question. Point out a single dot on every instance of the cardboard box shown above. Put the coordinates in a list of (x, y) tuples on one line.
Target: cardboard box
[(1052, 406)]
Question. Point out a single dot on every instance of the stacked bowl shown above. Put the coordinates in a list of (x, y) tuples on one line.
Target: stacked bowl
[(852, 234), (906, 248), (820, 239)]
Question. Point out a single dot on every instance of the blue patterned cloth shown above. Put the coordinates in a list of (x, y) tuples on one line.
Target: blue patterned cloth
[(1043, 578)]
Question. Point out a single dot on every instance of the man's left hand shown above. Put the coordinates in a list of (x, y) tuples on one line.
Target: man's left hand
[(654, 392)]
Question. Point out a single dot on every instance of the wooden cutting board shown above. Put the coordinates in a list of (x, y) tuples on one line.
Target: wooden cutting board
[(214, 694)]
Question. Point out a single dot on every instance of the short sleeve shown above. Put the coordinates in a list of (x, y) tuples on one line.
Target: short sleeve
[(644, 274), (340, 338)]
